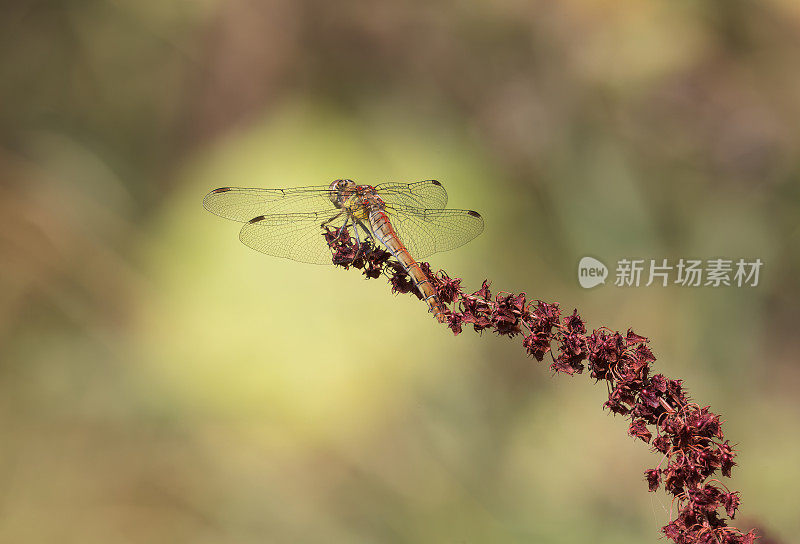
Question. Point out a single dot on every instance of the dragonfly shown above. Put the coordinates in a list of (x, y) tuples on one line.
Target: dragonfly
[(409, 219)]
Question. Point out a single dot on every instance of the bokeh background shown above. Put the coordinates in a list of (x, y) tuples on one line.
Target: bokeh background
[(160, 382)]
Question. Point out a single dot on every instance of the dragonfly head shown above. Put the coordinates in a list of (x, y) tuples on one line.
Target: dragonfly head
[(340, 190)]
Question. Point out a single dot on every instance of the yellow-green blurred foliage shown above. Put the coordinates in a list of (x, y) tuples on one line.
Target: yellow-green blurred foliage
[(162, 383)]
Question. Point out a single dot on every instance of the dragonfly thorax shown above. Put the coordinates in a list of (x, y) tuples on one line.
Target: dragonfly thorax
[(356, 200)]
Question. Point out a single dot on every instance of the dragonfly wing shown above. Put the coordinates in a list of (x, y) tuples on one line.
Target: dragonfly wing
[(243, 204), (428, 194), (428, 231), (295, 236)]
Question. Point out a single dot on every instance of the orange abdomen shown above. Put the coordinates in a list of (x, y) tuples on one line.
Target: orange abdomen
[(384, 232)]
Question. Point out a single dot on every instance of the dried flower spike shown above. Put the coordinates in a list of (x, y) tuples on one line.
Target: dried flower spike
[(688, 437)]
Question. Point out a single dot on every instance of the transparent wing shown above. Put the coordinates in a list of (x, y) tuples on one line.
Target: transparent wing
[(295, 236), (428, 231), (428, 194), (243, 204)]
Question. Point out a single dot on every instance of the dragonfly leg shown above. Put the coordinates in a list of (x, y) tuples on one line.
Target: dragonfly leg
[(368, 232), (358, 238), (343, 228), (361, 224), (327, 221)]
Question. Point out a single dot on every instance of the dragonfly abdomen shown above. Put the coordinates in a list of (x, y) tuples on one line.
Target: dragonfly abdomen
[(384, 232)]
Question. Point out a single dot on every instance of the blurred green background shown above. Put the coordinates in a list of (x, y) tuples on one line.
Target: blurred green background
[(160, 382)]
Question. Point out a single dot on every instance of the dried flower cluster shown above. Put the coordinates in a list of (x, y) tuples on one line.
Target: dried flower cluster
[(688, 436)]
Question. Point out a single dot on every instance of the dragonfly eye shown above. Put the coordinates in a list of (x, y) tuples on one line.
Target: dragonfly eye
[(337, 190), (335, 193)]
